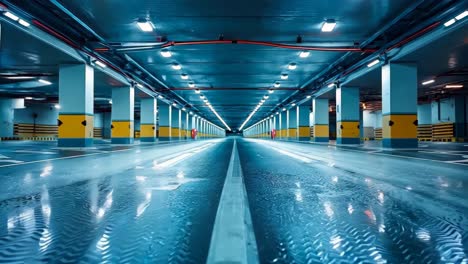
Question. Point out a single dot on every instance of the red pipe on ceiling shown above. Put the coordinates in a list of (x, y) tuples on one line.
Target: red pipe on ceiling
[(401, 43), (265, 43)]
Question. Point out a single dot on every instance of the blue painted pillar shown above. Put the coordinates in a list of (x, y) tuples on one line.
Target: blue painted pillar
[(347, 115), (165, 121), (183, 125), (188, 125), (148, 120), (399, 105), (191, 125), (304, 123), (175, 124), (292, 122), (284, 124), (198, 124), (123, 99), (321, 130), (76, 99), (202, 128), (277, 125)]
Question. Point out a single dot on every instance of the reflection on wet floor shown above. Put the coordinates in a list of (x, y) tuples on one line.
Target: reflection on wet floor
[(159, 211), (309, 204), (318, 213)]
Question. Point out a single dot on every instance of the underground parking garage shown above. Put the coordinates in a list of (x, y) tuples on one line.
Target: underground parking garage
[(233, 131)]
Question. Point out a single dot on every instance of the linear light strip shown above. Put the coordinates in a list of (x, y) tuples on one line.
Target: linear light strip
[(219, 117)]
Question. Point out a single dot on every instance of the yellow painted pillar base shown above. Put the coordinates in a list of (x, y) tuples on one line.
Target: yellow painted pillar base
[(75, 130)]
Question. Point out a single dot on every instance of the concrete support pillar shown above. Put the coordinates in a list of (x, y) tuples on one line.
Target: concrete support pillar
[(284, 125), (148, 120), (202, 128), (76, 100), (304, 125), (183, 125), (277, 126), (292, 123), (347, 115), (165, 121), (123, 100), (191, 125), (188, 126), (321, 130), (399, 105), (175, 124)]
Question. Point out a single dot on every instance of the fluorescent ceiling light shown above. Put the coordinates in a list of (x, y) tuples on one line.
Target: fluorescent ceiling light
[(450, 22), (191, 85), (284, 109), (197, 91), (284, 76), (100, 64), (331, 85), (183, 109), (329, 25), (184, 76), (304, 54), (428, 82), (174, 104), (374, 62), (145, 25), (191, 113), (271, 91), (28, 98), (292, 66), (24, 23), (309, 96), (462, 15), (453, 86), (277, 84), (44, 82), (110, 101), (166, 53), (160, 97), (11, 16), (57, 106), (176, 66), (293, 104), (20, 77)]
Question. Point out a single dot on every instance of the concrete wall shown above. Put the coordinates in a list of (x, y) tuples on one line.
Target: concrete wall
[(368, 124), (378, 119), (424, 114), (446, 113), (99, 120), (46, 115), (107, 121), (7, 113)]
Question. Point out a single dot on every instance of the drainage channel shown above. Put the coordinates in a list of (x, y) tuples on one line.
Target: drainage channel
[(233, 238)]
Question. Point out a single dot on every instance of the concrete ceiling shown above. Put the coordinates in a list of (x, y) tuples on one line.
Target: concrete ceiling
[(234, 77)]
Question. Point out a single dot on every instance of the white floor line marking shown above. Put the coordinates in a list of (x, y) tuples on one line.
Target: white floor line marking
[(35, 152), (398, 156), (75, 156), (233, 239), (456, 161)]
